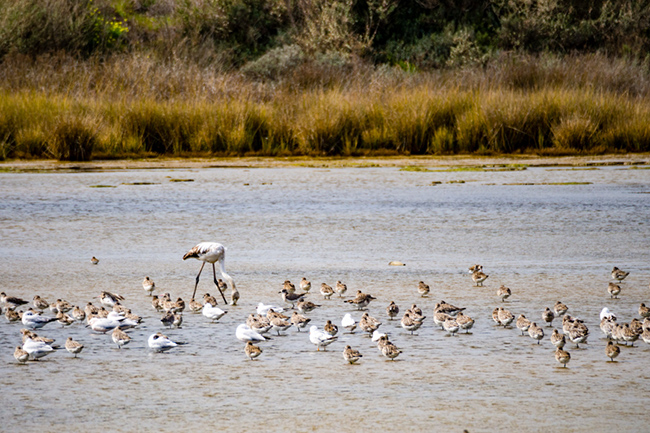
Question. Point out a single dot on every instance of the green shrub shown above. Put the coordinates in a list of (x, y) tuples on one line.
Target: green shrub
[(46, 26)]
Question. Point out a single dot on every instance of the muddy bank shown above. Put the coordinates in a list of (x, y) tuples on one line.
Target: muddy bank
[(252, 162)]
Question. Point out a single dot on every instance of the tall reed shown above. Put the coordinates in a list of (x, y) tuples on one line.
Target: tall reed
[(135, 106)]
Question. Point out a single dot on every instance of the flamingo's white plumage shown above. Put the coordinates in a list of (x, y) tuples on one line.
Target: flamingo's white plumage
[(211, 252)]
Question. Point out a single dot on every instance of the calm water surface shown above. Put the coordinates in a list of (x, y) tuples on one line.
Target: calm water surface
[(545, 242)]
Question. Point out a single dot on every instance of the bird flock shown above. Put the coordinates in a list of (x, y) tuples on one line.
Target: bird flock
[(573, 328), (270, 321)]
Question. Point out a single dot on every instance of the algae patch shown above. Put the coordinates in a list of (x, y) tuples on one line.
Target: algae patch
[(139, 183)]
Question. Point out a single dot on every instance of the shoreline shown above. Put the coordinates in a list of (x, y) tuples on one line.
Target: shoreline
[(329, 162)]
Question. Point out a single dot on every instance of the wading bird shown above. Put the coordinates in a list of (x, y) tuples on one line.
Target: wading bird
[(210, 252)]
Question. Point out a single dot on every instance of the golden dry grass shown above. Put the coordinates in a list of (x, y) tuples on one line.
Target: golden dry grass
[(134, 106)]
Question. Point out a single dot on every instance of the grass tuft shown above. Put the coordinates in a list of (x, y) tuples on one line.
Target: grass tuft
[(137, 107), (73, 139)]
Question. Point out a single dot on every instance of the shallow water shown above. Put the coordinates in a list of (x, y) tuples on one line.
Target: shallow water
[(545, 242)]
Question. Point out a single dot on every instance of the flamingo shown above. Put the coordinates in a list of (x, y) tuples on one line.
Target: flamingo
[(210, 252)]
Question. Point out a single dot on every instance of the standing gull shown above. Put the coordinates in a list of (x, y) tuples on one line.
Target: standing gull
[(320, 338), (213, 313)]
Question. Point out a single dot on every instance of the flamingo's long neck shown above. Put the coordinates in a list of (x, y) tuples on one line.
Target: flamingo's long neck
[(225, 276)]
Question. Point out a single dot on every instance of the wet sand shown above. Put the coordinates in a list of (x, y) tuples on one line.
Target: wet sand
[(260, 162), (548, 233)]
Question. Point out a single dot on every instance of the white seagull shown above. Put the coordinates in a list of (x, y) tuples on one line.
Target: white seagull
[(103, 325), (245, 333), (35, 321), (212, 313), (320, 338), (211, 252), (606, 313), (125, 322), (36, 349), (263, 309), (348, 322), (160, 343)]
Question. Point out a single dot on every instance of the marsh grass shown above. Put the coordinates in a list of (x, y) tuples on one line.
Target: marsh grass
[(416, 169), (132, 106)]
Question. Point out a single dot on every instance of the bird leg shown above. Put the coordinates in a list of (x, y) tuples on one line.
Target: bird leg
[(197, 280), (214, 272)]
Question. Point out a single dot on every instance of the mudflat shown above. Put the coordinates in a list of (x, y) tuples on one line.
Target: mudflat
[(269, 162)]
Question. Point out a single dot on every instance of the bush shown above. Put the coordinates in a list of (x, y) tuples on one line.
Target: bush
[(73, 139), (275, 63), (161, 129), (45, 26), (574, 132)]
